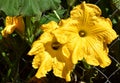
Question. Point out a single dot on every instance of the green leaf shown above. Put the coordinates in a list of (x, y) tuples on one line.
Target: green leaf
[(48, 18), (61, 12), (86, 65), (89, 75), (10, 7), (85, 73), (52, 16), (48, 4), (116, 3), (27, 7), (70, 2)]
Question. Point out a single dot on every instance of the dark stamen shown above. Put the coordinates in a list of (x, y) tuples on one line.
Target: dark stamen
[(55, 45), (82, 33)]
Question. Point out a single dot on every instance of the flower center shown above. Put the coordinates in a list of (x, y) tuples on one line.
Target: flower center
[(55, 45), (82, 33)]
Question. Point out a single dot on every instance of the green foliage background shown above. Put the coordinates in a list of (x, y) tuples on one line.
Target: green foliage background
[(15, 64)]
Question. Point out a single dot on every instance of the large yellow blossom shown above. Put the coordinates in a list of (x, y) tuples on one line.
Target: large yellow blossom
[(13, 23), (87, 35), (50, 54)]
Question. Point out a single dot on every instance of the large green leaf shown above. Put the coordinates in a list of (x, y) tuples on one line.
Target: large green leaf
[(48, 4), (10, 7), (27, 7)]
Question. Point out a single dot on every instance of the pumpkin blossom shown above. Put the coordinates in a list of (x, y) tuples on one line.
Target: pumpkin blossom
[(13, 23), (50, 54), (83, 36), (87, 34)]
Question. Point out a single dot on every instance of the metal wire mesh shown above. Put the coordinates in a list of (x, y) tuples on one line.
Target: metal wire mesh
[(113, 59)]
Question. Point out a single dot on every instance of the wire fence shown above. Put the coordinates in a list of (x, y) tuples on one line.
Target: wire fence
[(113, 59)]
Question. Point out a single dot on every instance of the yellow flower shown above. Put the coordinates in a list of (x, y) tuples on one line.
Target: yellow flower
[(87, 35), (13, 23), (50, 54)]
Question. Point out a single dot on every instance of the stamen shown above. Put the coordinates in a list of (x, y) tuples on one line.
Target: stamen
[(82, 33), (55, 45)]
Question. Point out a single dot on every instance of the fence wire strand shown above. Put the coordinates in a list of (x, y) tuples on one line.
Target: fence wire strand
[(112, 58)]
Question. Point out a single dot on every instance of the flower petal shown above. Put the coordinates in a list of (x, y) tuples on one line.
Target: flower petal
[(58, 68), (13, 23), (45, 37), (96, 53), (49, 26), (37, 47), (76, 48), (90, 20), (103, 29), (68, 68), (19, 24), (45, 65), (37, 60), (85, 10), (65, 51), (9, 20), (8, 30), (63, 69), (65, 31)]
